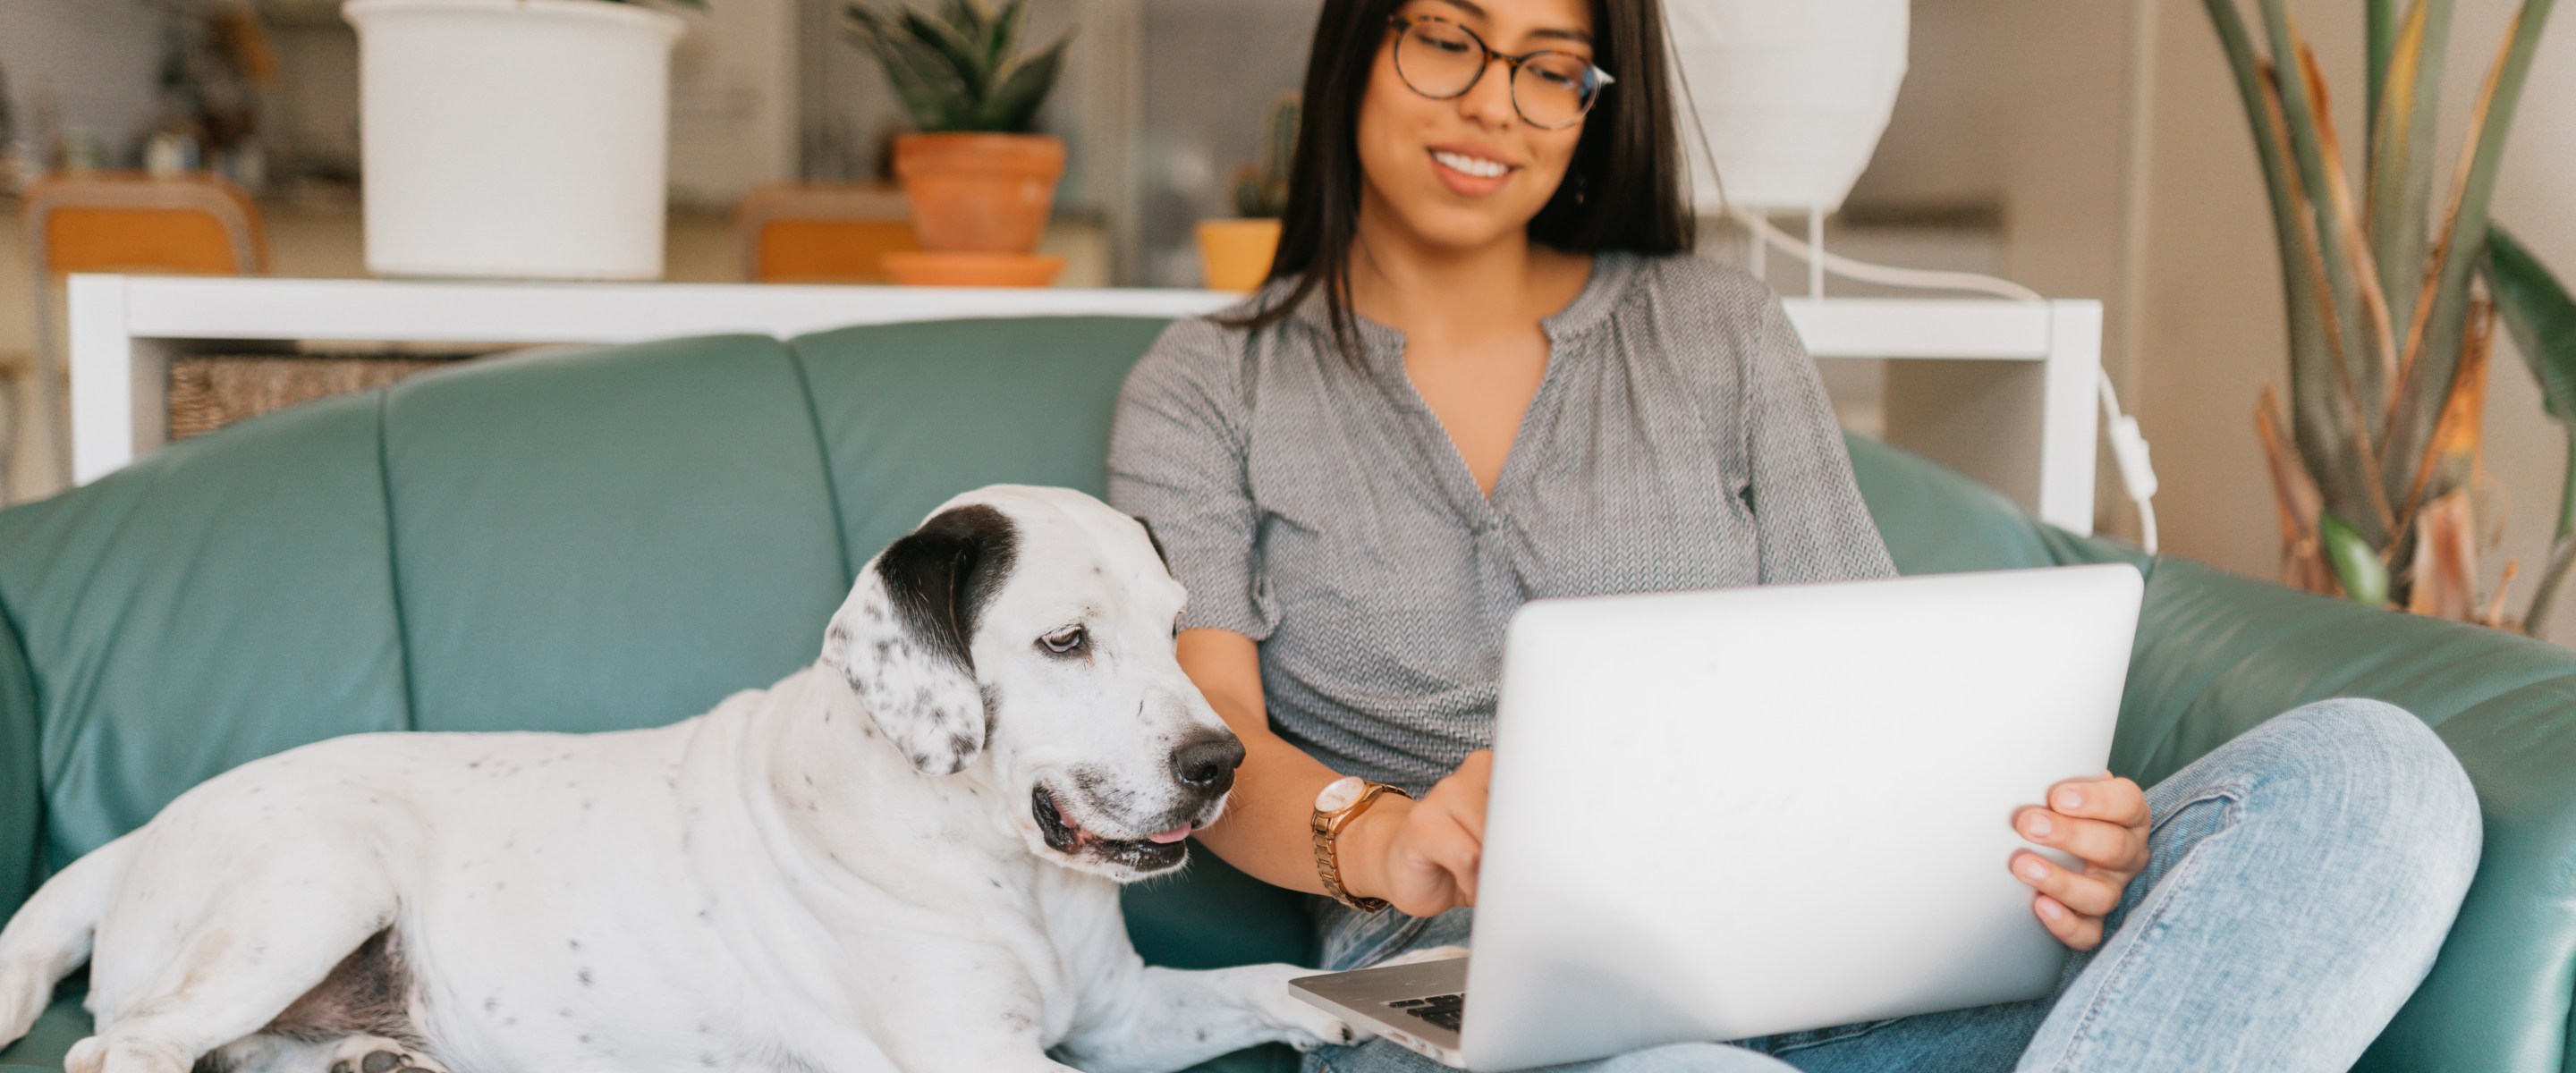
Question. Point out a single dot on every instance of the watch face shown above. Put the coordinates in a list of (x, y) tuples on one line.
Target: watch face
[(1339, 794)]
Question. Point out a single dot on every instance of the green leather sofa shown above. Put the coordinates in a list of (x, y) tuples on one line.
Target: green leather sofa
[(619, 538)]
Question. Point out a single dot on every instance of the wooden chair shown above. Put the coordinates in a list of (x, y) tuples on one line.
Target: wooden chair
[(816, 233), (189, 225)]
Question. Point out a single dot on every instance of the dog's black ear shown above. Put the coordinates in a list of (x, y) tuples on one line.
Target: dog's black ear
[(1156, 541), (905, 638)]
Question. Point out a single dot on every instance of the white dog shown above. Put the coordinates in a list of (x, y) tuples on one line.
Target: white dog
[(904, 857)]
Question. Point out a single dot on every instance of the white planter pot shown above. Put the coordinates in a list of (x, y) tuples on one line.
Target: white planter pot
[(1792, 95), (514, 138)]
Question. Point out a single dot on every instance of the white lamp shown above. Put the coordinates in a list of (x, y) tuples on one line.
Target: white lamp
[(1792, 95)]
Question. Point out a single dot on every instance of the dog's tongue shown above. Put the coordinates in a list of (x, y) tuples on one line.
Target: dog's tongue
[(1174, 835)]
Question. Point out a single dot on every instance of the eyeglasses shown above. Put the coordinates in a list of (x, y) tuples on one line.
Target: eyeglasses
[(1442, 60)]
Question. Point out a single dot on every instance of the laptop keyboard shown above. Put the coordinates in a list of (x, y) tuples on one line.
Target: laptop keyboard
[(1442, 1010)]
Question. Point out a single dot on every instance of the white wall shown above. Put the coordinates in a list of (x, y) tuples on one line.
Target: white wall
[(2211, 317), (2019, 106), (96, 58)]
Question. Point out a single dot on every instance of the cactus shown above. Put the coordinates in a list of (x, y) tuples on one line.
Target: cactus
[(1261, 191)]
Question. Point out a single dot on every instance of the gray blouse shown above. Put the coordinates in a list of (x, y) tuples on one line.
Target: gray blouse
[(1679, 440)]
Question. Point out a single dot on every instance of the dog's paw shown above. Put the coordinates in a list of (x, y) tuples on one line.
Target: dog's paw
[(1416, 957), (376, 1054), (1304, 1025), (1309, 1027)]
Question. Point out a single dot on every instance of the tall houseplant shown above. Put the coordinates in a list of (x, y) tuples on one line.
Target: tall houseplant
[(980, 181), (2377, 481)]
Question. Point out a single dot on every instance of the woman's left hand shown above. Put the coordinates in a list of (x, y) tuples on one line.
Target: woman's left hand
[(2100, 821)]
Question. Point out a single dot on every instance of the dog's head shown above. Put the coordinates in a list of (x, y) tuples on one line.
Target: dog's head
[(1031, 629)]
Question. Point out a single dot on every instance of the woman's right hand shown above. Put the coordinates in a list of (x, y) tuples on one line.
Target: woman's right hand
[(1421, 856)]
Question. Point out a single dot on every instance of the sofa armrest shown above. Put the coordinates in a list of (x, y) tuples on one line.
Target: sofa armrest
[(22, 800), (2218, 654)]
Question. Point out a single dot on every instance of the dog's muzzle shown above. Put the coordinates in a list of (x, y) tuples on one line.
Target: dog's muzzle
[(1204, 769), (1153, 853)]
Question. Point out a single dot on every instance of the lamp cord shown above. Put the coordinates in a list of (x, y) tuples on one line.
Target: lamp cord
[(2128, 444)]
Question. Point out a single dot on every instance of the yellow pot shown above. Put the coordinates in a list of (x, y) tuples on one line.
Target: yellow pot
[(1237, 253)]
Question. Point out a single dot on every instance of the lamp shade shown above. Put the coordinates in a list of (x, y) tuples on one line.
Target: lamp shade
[(1792, 95)]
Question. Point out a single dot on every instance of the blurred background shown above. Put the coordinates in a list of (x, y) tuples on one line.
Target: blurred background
[(2084, 148)]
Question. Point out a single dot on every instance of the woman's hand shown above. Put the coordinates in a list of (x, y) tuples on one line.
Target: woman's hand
[(2100, 821), (1421, 856)]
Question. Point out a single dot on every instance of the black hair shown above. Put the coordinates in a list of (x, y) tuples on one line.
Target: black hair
[(1624, 190)]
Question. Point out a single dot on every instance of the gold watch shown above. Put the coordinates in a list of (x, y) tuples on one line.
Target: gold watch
[(1342, 802)]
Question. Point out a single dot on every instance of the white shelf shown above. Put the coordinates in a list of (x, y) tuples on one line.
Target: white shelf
[(124, 330)]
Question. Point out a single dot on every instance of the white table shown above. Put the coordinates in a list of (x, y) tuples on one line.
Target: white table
[(2003, 390)]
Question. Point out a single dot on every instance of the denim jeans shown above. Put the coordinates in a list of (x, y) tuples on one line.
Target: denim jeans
[(2301, 880)]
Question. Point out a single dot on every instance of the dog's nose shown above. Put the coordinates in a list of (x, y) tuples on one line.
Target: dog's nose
[(1207, 764)]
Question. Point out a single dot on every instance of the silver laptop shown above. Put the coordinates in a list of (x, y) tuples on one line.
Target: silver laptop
[(1730, 814)]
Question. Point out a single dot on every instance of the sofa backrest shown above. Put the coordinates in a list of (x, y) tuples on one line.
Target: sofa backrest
[(577, 541)]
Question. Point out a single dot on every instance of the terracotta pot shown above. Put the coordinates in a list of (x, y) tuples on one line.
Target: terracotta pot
[(1237, 253), (925, 269), (979, 193)]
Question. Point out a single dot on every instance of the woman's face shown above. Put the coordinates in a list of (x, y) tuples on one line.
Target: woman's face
[(1466, 172)]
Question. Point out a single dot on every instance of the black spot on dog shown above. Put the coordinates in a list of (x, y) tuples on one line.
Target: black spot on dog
[(573, 945), (942, 576), (583, 976)]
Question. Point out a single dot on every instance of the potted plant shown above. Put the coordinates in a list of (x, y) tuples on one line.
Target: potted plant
[(514, 138), (2378, 479), (1236, 253), (982, 184)]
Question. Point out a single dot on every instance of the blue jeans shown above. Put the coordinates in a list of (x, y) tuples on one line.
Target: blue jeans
[(2301, 881)]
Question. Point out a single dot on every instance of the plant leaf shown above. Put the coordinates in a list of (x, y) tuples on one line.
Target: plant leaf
[(2433, 347), (2295, 499), (2312, 408), (960, 51), (1002, 34), (2356, 565), (2401, 158), (2371, 356), (2451, 458), (1013, 106), (923, 79), (2382, 16), (2329, 428), (2301, 109), (2542, 318), (968, 16), (2445, 575)]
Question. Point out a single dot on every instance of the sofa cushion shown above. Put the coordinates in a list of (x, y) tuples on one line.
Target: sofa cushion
[(608, 539), (912, 414), (2218, 654), (223, 599)]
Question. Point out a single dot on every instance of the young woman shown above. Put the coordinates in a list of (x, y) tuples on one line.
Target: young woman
[(1485, 370)]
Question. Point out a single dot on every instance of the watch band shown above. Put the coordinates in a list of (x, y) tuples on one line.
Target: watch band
[(1327, 824)]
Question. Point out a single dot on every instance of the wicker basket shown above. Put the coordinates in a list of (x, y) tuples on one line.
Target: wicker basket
[(210, 391)]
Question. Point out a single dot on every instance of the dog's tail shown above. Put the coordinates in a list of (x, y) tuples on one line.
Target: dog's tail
[(51, 934)]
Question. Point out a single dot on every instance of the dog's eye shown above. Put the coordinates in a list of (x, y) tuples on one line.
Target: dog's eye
[(1063, 642)]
